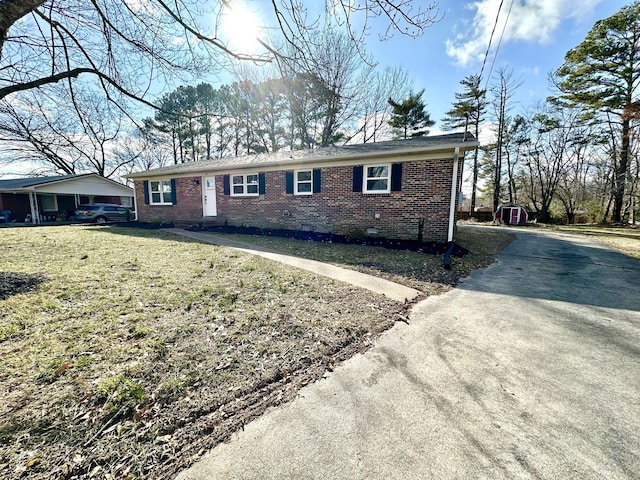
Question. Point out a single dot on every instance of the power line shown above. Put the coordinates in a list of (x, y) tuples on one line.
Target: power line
[(500, 41), (495, 24)]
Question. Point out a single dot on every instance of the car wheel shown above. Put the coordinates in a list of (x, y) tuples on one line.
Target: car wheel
[(101, 220)]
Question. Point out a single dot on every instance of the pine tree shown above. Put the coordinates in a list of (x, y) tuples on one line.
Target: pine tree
[(468, 112), (602, 74), (409, 117)]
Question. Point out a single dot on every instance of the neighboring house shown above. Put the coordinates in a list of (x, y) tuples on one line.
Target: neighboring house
[(394, 189), (48, 199)]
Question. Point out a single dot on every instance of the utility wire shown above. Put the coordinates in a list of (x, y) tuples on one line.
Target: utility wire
[(500, 41), (495, 24)]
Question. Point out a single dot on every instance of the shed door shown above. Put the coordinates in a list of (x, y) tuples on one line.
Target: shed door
[(209, 197), (515, 216)]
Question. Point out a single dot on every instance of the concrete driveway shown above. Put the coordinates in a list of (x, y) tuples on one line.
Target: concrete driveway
[(531, 369)]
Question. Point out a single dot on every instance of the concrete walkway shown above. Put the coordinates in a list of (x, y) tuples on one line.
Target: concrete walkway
[(529, 370), (396, 292)]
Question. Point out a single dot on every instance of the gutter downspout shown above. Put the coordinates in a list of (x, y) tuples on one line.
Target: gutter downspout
[(454, 192), (135, 203), (446, 260)]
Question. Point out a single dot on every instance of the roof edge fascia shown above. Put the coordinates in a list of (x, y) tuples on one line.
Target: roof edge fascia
[(83, 175), (404, 155), (62, 180)]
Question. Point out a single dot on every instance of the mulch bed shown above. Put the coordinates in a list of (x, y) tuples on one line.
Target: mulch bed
[(431, 248)]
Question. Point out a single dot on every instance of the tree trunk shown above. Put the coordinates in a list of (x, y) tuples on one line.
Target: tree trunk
[(608, 209), (11, 11), (621, 173)]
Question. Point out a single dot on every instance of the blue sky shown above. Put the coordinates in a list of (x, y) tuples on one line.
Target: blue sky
[(537, 36)]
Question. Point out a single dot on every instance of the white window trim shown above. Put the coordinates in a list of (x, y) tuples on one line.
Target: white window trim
[(296, 182), (151, 192), (55, 201), (365, 179), (244, 184)]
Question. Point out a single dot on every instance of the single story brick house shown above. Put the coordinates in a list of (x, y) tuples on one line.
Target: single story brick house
[(49, 199), (392, 189)]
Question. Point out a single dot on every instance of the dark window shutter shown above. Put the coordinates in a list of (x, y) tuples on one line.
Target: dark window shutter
[(357, 178), (261, 182), (288, 178), (317, 179), (173, 191), (145, 188), (396, 177), (225, 185)]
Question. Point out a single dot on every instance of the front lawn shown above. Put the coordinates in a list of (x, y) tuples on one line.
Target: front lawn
[(413, 269), (128, 353), (624, 239)]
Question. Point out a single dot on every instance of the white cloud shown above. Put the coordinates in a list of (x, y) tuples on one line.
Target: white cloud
[(142, 6), (531, 21), (18, 168), (178, 41)]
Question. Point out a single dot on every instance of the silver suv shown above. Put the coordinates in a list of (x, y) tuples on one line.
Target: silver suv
[(102, 213)]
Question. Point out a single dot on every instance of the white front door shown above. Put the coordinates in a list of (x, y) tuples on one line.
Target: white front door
[(210, 197)]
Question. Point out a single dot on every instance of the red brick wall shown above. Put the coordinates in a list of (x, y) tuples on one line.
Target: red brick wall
[(188, 207), (426, 190)]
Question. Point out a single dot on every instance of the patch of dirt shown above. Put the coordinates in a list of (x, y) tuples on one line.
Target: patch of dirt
[(12, 283), (83, 437), (217, 426)]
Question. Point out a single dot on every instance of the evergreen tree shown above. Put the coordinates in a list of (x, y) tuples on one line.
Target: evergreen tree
[(409, 117), (468, 112), (603, 74), (207, 106), (176, 119)]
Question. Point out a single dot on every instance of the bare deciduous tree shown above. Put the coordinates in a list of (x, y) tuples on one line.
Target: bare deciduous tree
[(392, 82), (126, 50), (502, 103), (72, 138), (44, 42)]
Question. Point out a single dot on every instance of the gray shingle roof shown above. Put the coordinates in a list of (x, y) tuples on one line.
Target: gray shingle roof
[(346, 152), (20, 183)]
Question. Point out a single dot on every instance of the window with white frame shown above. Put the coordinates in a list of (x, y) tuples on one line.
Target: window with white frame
[(160, 192), (244, 185), (303, 182), (377, 179), (48, 203)]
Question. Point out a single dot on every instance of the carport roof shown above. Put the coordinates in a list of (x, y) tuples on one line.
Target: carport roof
[(81, 184), (27, 183)]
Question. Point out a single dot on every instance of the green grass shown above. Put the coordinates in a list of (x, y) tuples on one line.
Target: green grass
[(126, 321), (125, 352)]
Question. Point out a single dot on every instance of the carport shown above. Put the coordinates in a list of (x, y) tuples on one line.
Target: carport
[(49, 199)]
